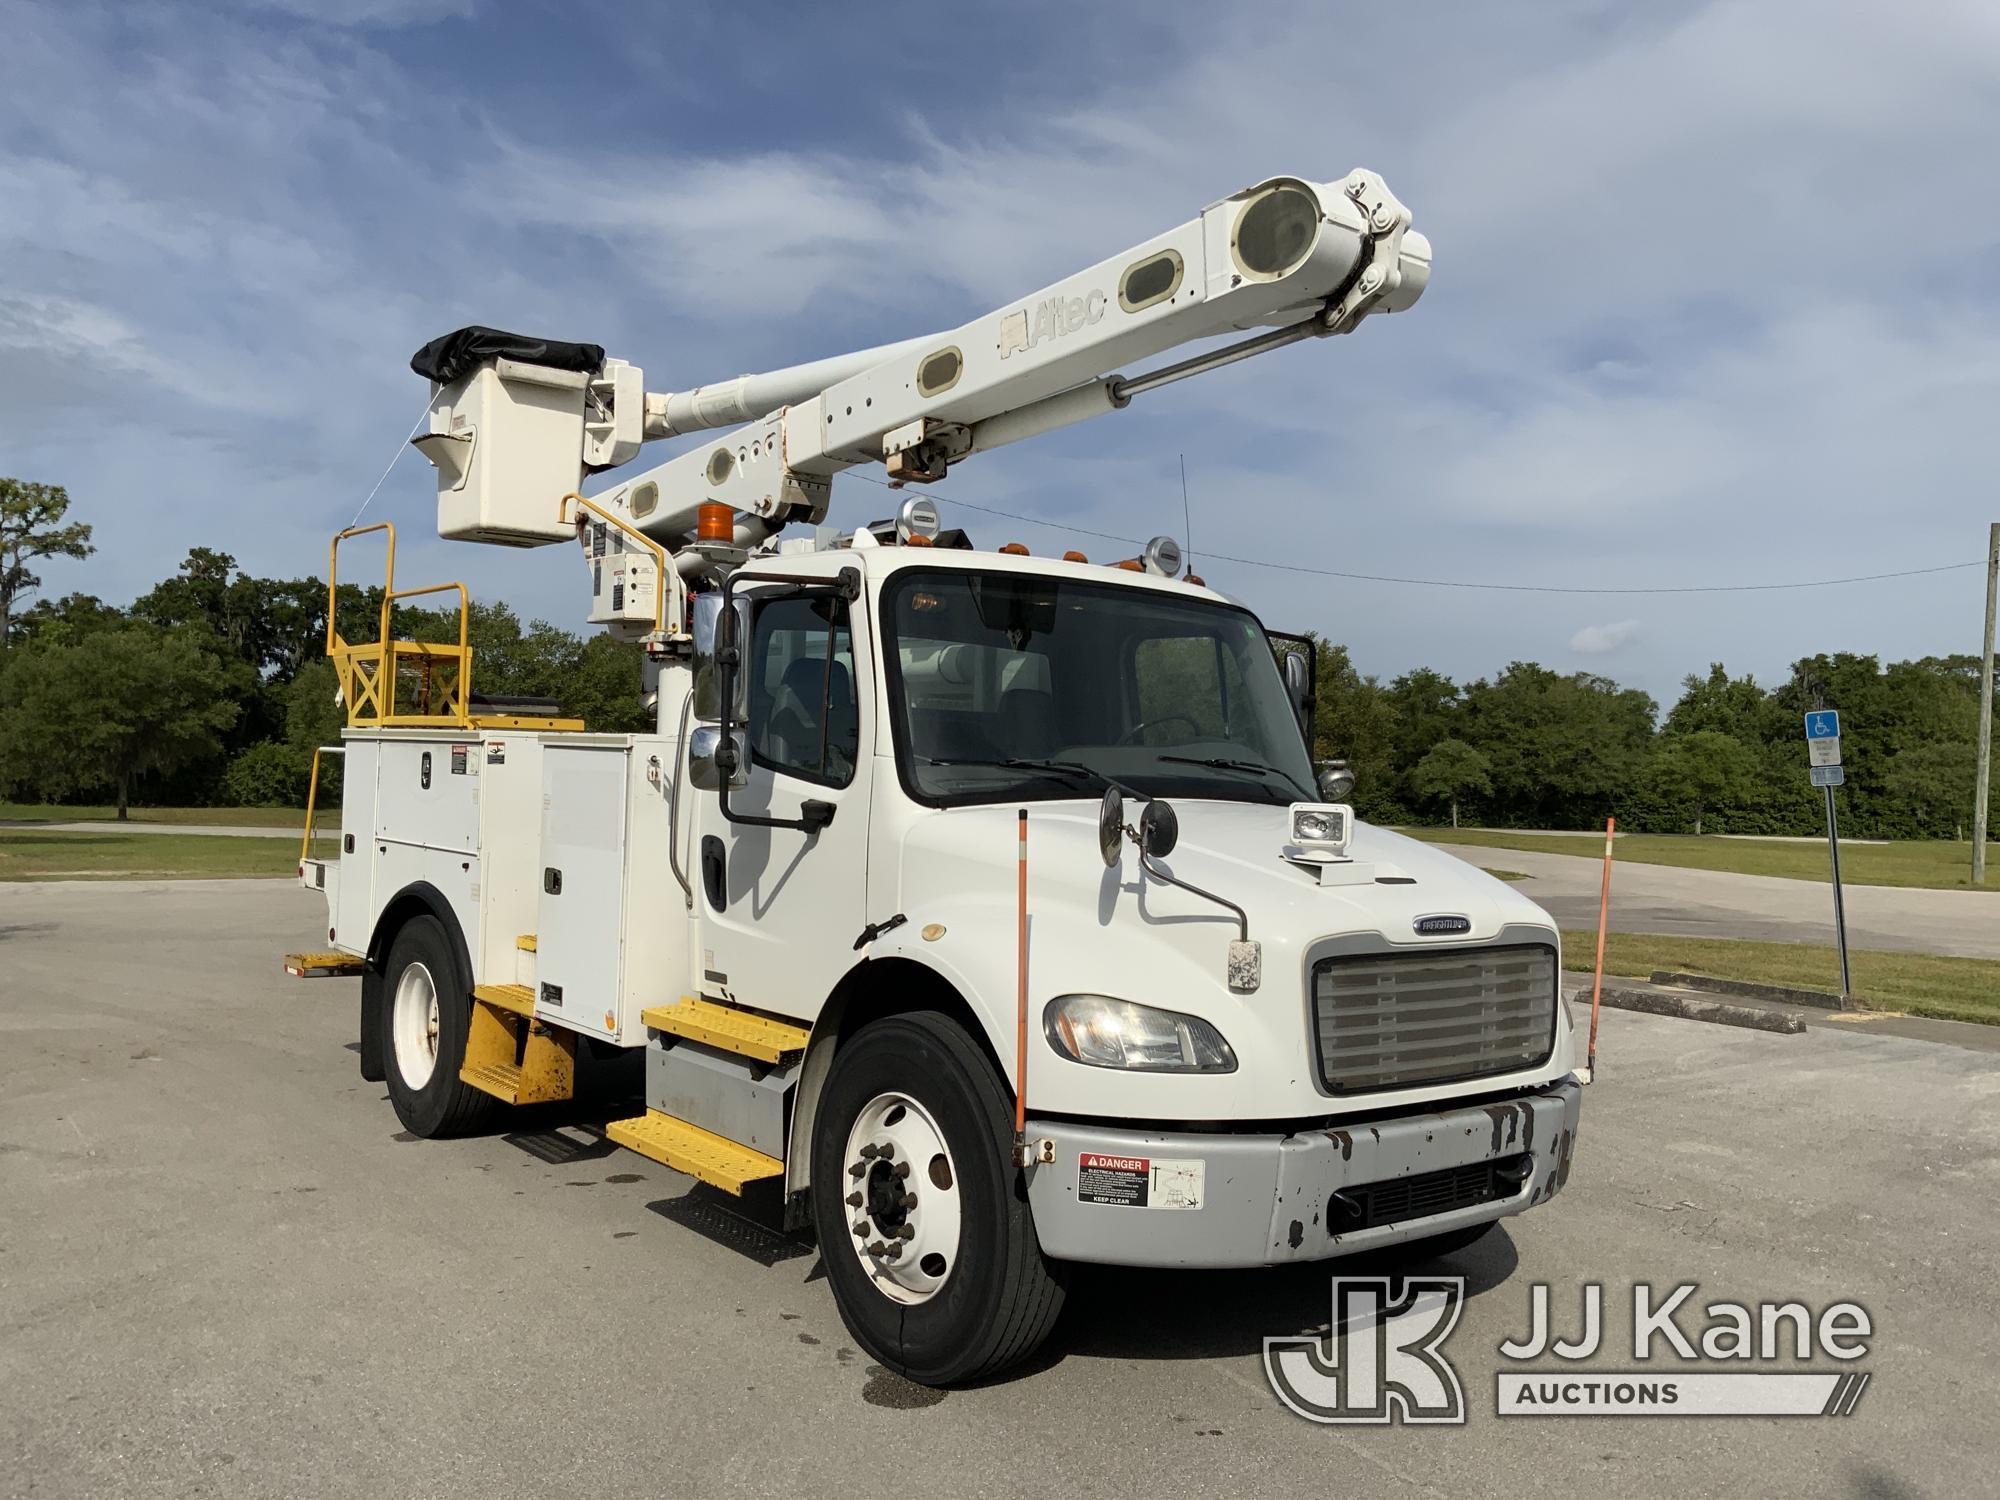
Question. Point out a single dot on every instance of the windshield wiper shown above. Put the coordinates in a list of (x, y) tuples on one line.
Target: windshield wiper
[(1223, 763), (1018, 763)]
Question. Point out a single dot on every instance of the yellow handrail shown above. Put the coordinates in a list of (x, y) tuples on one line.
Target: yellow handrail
[(312, 798), (333, 639), (370, 696), (668, 577)]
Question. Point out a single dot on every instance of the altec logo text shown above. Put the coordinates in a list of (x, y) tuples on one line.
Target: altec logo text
[(1383, 1359), (1053, 317)]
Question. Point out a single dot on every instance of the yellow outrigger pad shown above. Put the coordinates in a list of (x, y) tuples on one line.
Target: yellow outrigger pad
[(687, 1148), (323, 965), (728, 1029)]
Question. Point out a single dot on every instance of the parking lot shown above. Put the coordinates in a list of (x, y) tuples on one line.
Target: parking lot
[(225, 1270)]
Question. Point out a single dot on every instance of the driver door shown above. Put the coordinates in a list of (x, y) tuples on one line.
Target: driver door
[(792, 901)]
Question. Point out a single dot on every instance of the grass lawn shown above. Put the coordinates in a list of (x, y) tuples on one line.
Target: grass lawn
[(30, 854), (1952, 989), (218, 817), (1938, 864)]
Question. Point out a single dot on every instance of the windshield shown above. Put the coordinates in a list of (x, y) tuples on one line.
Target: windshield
[(1008, 686)]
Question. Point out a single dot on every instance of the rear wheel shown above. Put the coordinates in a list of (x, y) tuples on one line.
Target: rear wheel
[(427, 1013), (923, 1219)]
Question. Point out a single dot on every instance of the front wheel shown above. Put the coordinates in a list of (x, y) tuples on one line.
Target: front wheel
[(922, 1217)]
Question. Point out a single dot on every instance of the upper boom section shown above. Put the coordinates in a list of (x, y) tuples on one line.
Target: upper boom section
[(514, 433)]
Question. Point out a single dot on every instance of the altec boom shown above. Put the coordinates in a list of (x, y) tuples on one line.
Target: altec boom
[(804, 892)]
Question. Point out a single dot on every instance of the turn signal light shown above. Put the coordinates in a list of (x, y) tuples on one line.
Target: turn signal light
[(715, 522)]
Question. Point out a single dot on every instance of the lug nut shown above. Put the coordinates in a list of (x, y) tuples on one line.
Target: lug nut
[(902, 1170), (861, 1228), (878, 1248), (906, 1232), (908, 1202), (854, 1200), (886, 1150), (856, 1170), (870, 1151)]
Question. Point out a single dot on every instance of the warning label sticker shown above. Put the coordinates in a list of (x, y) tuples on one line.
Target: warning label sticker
[(1138, 1181)]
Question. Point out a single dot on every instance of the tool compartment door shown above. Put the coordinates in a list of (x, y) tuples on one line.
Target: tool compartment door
[(579, 962)]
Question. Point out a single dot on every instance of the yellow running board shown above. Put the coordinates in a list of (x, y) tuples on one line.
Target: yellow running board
[(729, 1030), (699, 1153), (525, 942), (512, 1056), (323, 965)]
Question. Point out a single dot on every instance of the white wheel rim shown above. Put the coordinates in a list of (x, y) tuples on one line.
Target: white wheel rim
[(901, 1197), (413, 1025)]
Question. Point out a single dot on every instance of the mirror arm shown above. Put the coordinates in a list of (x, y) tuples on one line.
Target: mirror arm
[(1146, 864), (844, 585)]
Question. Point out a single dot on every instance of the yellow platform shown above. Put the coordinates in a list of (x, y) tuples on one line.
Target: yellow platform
[(699, 1153), (323, 965), (728, 1029)]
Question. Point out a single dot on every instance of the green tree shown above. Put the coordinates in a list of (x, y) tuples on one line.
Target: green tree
[(1705, 770), (122, 703), (31, 527), (1565, 748), (1451, 770)]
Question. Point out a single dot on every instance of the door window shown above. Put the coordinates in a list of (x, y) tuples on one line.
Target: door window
[(804, 715)]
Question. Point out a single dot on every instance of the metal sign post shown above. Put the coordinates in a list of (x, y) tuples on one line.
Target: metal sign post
[(1823, 753)]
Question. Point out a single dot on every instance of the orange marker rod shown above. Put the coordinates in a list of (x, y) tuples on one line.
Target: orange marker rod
[(1603, 921), (1021, 997)]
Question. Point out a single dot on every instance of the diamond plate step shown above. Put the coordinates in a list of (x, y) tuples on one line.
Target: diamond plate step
[(697, 1152), (729, 1030)]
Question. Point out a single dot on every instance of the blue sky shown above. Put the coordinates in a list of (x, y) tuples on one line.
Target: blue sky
[(1713, 299)]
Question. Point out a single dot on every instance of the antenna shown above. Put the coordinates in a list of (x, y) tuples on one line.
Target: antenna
[(1187, 516)]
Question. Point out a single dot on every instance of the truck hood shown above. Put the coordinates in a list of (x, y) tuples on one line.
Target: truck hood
[(1105, 931)]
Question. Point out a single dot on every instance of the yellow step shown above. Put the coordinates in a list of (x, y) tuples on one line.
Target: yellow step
[(500, 1079), (525, 942), (323, 965), (728, 1029), (699, 1153), (512, 1056), (516, 998)]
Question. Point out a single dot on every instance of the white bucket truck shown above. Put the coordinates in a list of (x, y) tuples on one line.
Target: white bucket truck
[(984, 911)]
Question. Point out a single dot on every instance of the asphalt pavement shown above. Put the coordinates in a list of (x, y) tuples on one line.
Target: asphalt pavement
[(226, 1271)]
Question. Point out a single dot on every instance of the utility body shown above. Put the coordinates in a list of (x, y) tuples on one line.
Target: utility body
[(984, 912)]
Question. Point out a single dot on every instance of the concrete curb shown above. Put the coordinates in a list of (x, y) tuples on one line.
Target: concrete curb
[(1693, 1008), (1777, 992)]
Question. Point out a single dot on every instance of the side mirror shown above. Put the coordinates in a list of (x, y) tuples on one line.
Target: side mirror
[(1336, 781), (710, 631), (1111, 827), (1298, 679), (1159, 829), (703, 772)]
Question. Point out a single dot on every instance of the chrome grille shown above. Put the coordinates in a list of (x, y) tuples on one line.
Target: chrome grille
[(1390, 1020)]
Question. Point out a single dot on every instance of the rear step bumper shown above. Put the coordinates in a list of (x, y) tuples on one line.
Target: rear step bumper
[(1256, 1200)]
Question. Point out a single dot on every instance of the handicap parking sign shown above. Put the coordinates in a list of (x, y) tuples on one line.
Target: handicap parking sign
[(1823, 724)]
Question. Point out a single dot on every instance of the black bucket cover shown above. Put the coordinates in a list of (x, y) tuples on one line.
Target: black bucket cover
[(446, 359)]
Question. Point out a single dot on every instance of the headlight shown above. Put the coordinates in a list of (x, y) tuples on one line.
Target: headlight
[(1319, 824), (1107, 1033)]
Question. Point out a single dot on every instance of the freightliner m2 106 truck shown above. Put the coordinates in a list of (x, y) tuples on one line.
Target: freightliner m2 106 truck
[(984, 913)]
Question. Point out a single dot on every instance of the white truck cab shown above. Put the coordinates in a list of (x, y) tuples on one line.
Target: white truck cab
[(985, 912)]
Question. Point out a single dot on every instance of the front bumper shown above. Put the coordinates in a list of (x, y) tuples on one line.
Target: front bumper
[(1157, 1198)]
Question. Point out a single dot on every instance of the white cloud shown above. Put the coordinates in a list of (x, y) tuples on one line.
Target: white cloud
[(1597, 640)]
